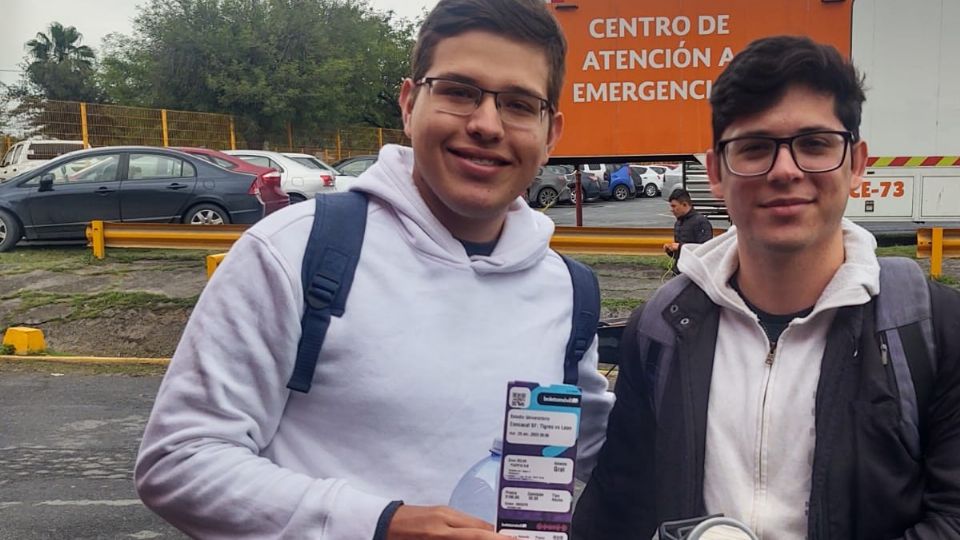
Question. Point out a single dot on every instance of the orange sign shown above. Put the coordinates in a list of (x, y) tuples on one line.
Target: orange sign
[(639, 72)]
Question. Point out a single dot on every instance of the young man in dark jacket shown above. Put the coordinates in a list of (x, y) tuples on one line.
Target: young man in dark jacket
[(766, 383), (691, 227)]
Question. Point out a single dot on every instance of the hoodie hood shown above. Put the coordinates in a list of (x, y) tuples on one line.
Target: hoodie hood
[(523, 242), (712, 264)]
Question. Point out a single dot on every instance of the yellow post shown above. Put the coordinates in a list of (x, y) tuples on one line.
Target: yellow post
[(936, 253), (25, 340), (163, 122), (289, 138), (83, 125), (97, 241), (233, 135), (380, 137), (213, 261), (339, 153)]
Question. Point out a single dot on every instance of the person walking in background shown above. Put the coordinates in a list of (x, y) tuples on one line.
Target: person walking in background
[(456, 293), (691, 226)]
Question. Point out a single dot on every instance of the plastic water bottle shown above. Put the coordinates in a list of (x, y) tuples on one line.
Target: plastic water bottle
[(476, 492)]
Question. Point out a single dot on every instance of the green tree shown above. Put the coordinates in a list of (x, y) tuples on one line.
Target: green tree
[(314, 64), (58, 67)]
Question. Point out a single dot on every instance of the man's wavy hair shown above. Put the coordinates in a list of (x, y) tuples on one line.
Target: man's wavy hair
[(527, 21), (759, 76)]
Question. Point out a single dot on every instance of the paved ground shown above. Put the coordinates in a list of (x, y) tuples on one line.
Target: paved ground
[(67, 448)]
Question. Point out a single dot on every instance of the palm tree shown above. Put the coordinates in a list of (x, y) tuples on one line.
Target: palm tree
[(60, 46), (59, 68)]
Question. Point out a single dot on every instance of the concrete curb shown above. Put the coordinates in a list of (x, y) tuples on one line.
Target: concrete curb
[(86, 360)]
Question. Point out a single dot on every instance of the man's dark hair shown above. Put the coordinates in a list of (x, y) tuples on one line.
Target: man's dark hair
[(759, 76), (681, 196), (527, 21)]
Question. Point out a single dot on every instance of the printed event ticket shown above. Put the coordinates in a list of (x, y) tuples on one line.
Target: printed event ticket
[(539, 452)]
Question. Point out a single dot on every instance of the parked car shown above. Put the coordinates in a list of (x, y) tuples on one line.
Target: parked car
[(620, 184), (672, 181), (267, 184), (600, 169), (26, 155), (659, 169), (343, 181), (123, 183), (356, 165), (299, 181), (646, 180), (548, 188), (590, 187)]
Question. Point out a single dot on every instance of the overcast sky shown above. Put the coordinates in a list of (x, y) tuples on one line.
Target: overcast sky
[(97, 18)]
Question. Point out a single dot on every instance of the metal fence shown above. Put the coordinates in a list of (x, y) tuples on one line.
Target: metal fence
[(99, 124)]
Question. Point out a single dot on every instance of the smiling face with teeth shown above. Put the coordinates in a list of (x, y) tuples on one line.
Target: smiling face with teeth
[(469, 169)]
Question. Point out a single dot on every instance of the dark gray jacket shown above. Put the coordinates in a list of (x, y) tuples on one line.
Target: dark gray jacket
[(865, 486), (693, 228)]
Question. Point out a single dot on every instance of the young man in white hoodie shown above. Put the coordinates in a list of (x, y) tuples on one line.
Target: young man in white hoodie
[(456, 293), (758, 387)]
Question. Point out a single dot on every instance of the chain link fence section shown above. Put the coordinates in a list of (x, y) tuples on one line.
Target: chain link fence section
[(98, 124), (331, 146)]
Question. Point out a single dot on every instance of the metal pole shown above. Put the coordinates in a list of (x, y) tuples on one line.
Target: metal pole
[(233, 135), (163, 123), (936, 253), (83, 125), (289, 137), (579, 188)]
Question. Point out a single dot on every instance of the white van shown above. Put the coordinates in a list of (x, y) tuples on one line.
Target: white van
[(26, 155)]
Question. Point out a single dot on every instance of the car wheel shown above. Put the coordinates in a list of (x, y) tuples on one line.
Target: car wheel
[(206, 214), (296, 198), (573, 197), (650, 190), (546, 197), (10, 232), (621, 192)]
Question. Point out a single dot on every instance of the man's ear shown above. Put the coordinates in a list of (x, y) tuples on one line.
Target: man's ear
[(713, 174), (553, 135), (858, 155), (408, 94)]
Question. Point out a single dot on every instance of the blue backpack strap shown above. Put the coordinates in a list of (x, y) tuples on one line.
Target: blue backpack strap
[(904, 319), (586, 317), (329, 263)]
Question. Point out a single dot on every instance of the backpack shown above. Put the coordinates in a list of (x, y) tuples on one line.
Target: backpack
[(329, 263), (904, 326)]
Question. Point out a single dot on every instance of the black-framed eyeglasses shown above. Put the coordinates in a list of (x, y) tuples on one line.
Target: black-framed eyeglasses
[(517, 109), (813, 152)]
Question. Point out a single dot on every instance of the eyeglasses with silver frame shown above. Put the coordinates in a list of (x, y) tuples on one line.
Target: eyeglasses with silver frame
[(517, 109), (813, 152)]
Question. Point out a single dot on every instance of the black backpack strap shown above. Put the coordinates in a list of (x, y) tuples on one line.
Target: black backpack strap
[(586, 316), (329, 263), (904, 319)]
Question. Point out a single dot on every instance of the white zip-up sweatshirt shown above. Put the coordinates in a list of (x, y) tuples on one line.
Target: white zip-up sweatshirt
[(410, 386), (760, 418)]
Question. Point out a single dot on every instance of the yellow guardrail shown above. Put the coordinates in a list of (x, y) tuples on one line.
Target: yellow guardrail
[(613, 240), (588, 240), (936, 244), (104, 234)]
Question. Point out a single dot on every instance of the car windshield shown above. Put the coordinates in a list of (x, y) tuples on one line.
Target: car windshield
[(306, 162), (219, 162)]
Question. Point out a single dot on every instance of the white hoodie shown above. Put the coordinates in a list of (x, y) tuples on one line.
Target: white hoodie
[(409, 389), (760, 418)]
